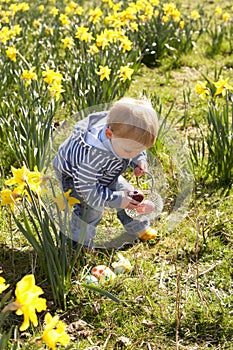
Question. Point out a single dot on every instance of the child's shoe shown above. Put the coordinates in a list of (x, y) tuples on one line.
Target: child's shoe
[(147, 234)]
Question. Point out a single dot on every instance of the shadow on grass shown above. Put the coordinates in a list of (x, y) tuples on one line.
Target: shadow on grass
[(16, 263)]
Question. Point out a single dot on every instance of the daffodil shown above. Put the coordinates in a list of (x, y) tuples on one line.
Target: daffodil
[(79, 10), (35, 180), (169, 8), (83, 34), (50, 76), (49, 31), (54, 11), (165, 19), (226, 17), (8, 197), (95, 15), (195, 15), (104, 73), (29, 75), (68, 42), (222, 87), (19, 178), (36, 23), (54, 332), (93, 49), (182, 24), (102, 41), (133, 26), (22, 178), (64, 19), (176, 15), (27, 301), (41, 8), (218, 10), (11, 52), (3, 285), (201, 89), (5, 35), (71, 7), (125, 73), (65, 198), (126, 44), (55, 90)]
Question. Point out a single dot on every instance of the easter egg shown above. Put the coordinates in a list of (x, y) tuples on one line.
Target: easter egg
[(102, 271)]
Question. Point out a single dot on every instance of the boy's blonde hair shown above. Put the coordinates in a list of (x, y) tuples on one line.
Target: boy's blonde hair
[(134, 119)]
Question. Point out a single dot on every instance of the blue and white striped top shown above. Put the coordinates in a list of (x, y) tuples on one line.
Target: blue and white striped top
[(88, 158)]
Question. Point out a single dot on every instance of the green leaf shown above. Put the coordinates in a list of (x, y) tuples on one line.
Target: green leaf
[(101, 291)]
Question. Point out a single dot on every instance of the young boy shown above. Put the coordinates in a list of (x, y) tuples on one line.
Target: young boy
[(90, 163)]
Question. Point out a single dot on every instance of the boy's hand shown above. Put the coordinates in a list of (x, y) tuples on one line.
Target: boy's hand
[(141, 168), (128, 202)]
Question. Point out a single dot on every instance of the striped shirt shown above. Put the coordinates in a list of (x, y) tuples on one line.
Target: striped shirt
[(88, 158)]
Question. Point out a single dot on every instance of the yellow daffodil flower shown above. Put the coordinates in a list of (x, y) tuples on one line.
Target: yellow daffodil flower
[(102, 41), (36, 23), (29, 75), (27, 301), (5, 35), (8, 197), (11, 52), (20, 177), (165, 19), (104, 73), (23, 177), (55, 90), (176, 15), (182, 24), (64, 19), (35, 180), (195, 15), (68, 42), (222, 87), (169, 8), (93, 49), (83, 34), (154, 2), (3, 285), (218, 10), (16, 30), (126, 73), (54, 332), (41, 8), (54, 11), (61, 201), (95, 15), (49, 31), (133, 26), (126, 44), (79, 10), (201, 89), (50, 76), (226, 17)]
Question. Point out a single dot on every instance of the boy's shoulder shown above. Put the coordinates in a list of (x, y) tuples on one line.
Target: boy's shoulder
[(96, 119)]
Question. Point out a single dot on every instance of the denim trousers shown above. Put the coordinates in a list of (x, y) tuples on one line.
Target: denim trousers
[(85, 218)]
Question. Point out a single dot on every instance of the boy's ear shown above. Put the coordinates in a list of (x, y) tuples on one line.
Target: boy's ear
[(108, 133)]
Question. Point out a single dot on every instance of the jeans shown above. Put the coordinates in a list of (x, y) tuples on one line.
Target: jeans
[(85, 218)]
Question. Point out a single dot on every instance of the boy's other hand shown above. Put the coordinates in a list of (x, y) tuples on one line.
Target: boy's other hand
[(141, 168)]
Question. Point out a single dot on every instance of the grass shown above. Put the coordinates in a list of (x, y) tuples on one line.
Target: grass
[(179, 293)]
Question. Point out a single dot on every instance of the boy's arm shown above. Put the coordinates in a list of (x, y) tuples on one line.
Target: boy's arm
[(86, 182)]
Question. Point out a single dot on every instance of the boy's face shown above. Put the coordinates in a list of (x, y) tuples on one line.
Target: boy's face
[(126, 148)]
